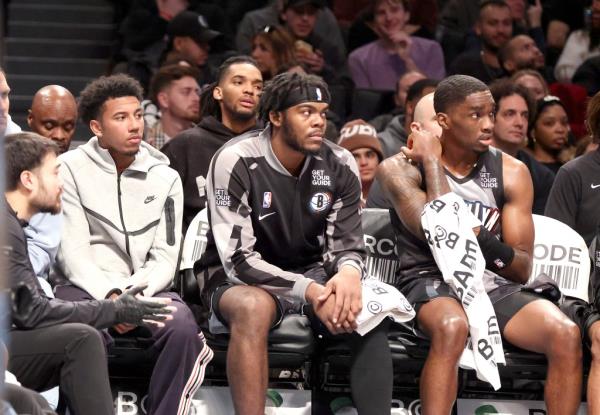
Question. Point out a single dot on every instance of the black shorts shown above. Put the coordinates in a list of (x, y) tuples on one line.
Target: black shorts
[(218, 324), (581, 313), (507, 300)]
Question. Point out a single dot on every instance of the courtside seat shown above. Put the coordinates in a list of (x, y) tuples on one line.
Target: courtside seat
[(291, 345)]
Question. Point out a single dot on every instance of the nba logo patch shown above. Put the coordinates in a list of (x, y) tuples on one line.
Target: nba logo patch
[(267, 200), (319, 96)]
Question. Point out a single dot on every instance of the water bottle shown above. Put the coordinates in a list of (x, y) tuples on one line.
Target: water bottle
[(343, 406)]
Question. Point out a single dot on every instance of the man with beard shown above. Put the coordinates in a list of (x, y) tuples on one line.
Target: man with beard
[(514, 108), (122, 226), (498, 190), (521, 52), (283, 206), (55, 342), (175, 92), (494, 26), (228, 110)]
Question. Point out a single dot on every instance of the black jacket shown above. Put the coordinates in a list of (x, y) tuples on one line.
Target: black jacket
[(190, 153), (29, 306)]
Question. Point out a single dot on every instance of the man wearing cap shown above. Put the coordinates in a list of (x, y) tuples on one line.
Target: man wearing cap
[(283, 212), (361, 140), (190, 36)]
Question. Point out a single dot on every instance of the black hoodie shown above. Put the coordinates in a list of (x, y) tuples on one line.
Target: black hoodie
[(190, 153)]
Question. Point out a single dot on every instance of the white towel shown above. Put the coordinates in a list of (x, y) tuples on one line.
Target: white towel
[(381, 300), (448, 224)]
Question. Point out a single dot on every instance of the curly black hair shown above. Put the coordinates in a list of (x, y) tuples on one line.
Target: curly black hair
[(277, 89), (100, 90)]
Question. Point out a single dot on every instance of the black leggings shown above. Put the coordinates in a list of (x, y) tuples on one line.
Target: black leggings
[(371, 371)]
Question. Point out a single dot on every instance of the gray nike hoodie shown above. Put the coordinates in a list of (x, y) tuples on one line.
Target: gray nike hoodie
[(119, 230)]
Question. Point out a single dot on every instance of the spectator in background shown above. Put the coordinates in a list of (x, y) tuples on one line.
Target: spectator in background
[(563, 17), (549, 133), (326, 26), (53, 114), (396, 133), (175, 91), (274, 52), (361, 140), (229, 109), (575, 196), (404, 83), (533, 81), (379, 64), (494, 27), (318, 55), (521, 52), (527, 20), (7, 126), (190, 37), (581, 45), (514, 109)]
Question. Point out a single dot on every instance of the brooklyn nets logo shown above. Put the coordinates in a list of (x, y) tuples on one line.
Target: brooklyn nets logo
[(320, 201)]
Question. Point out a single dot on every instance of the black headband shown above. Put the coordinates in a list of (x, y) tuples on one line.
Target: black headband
[(307, 94)]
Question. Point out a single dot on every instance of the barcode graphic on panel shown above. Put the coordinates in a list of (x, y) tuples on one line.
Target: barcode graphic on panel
[(383, 269), (566, 276)]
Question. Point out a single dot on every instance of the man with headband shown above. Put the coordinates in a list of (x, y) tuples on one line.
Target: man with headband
[(283, 207)]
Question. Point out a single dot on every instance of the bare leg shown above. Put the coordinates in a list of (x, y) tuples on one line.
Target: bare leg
[(444, 320), (593, 384), (541, 327), (250, 312)]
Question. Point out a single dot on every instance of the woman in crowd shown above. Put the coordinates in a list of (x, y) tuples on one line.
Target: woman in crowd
[(549, 134), (533, 81), (273, 50)]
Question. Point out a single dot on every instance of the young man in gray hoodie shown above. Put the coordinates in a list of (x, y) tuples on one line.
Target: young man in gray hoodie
[(122, 227)]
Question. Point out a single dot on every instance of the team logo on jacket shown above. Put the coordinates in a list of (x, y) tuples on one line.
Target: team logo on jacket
[(319, 202), (267, 197)]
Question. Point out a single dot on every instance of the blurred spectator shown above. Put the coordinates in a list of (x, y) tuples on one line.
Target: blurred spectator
[(527, 20), (404, 83), (581, 45), (228, 109), (378, 64), (53, 114), (347, 11), (575, 196), (191, 38), (396, 133), (317, 55), (325, 27), (175, 91), (521, 52), (424, 118), (457, 18), (563, 17), (7, 126), (494, 27), (141, 43), (549, 133), (588, 75), (514, 110), (361, 140), (273, 50), (533, 81)]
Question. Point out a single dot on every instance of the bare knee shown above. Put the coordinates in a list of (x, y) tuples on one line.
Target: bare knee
[(251, 310), (594, 334), (564, 340), (449, 335)]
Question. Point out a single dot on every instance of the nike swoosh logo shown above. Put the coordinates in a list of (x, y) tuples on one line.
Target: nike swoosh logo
[(149, 199), (261, 217), (594, 186)]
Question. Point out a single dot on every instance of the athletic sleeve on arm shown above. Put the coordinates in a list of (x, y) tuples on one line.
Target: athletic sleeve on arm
[(228, 187), (344, 235), (565, 197), (161, 261), (74, 257)]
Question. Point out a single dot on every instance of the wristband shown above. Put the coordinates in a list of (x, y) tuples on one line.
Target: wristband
[(497, 254)]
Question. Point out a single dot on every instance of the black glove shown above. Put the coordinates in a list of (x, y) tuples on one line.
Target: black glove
[(133, 310)]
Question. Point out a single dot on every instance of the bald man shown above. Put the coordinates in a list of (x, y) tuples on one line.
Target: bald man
[(53, 114)]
